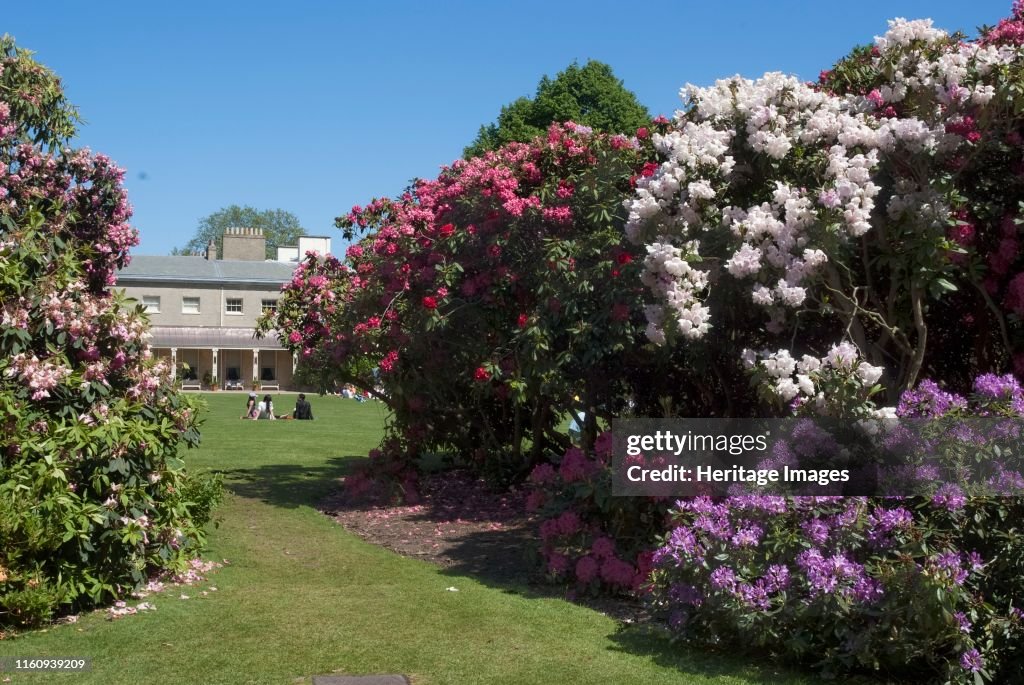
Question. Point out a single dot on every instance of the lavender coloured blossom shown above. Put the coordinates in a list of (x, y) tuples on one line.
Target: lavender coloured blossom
[(928, 400), (949, 565), (971, 661), (950, 497), (776, 578), (998, 387), (816, 531), (748, 535), (723, 578)]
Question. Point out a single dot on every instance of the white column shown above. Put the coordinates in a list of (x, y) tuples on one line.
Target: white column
[(295, 362), (256, 365), (174, 363), (214, 372)]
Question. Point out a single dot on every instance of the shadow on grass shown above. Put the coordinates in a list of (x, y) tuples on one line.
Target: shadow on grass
[(289, 485), (503, 559), (652, 643)]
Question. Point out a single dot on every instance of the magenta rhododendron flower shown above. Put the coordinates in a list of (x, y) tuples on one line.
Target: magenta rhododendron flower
[(586, 569)]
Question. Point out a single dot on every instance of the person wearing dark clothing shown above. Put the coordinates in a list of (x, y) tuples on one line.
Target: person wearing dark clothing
[(302, 409)]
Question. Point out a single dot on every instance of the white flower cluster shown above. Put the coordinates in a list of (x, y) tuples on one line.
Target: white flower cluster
[(668, 273), (880, 421), (825, 151), (902, 33), (789, 378), (773, 241), (696, 153), (955, 77)]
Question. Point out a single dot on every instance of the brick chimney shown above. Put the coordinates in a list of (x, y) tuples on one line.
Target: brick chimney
[(245, 244), (211, 251)]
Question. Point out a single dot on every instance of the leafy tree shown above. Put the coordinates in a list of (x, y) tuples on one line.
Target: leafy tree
[(588, 95), (279, 228)]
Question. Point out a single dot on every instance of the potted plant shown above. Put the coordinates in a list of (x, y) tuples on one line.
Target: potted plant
[(256, 385), (208, 379)]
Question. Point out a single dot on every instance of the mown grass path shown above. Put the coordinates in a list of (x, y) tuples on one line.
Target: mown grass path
[(301, 596)]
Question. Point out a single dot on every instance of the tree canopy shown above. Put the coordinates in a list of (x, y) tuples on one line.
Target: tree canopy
[(589, 95), (279, 228)]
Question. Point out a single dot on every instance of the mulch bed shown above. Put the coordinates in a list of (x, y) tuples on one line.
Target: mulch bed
[(460, 524), (464, 526)]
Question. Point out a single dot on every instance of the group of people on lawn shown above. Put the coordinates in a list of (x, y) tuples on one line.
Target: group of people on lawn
[(349, 392), (265, 409)]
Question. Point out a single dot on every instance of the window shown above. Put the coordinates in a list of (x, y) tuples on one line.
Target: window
[(151, 303), (269, 306), (233, 305), (189, 305)]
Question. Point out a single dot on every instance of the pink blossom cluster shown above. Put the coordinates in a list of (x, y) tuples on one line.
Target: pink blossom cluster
[(419, 234), (87, 185), (573, 542), (41, 376)]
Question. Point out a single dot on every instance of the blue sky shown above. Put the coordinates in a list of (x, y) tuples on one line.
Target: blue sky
[(315, 106)]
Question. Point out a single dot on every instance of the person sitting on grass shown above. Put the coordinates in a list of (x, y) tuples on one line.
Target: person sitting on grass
[(303, 411), (576, 425), (266, 408), (251, 410)]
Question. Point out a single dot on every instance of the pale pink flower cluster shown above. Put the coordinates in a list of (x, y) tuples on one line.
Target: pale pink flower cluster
[(15, 314), (829, 151), (773, 241), (954, 77), (41, 376), (902, 33)]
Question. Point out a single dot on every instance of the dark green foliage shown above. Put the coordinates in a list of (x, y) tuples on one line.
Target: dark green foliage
[(589, 95)]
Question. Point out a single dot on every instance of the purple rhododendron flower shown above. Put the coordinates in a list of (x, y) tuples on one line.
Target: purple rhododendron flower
[(950, 497), (723, 578), (816, 531), (971, 661), (998, 387), (928, 400)]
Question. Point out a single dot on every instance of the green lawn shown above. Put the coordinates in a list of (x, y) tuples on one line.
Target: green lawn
[(302, 597)]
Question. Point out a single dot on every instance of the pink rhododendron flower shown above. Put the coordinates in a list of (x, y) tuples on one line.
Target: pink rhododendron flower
[(586, 569)]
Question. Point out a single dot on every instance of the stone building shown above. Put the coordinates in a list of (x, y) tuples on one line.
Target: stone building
[(203, 310)]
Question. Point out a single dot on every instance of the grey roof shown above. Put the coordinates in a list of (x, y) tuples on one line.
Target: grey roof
[(189, 337), (174, 268)]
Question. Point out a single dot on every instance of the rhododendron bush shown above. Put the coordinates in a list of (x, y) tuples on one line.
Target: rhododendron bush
[(878, 207), (900, 585), (487, 304), (93, 496), (870, 224)]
